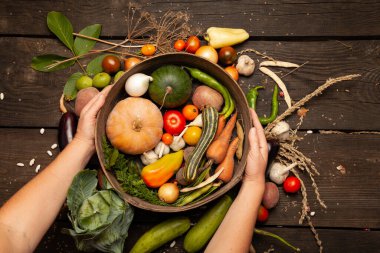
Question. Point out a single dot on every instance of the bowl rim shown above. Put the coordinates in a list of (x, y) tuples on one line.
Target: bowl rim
[(140, 203)]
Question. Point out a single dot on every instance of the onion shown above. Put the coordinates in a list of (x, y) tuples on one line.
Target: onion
[(204, 95), (207, 52), (168, 192)]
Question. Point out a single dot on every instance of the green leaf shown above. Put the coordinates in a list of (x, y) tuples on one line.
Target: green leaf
[(82, 187), (60, 25), (42, 62), (82, 45), (95, 66), (70, 91)]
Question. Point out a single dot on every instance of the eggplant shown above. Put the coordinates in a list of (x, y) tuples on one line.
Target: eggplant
[(67, 129), (273, 148)]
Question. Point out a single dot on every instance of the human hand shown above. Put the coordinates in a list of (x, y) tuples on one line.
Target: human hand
[(86, 125), (258, 152)]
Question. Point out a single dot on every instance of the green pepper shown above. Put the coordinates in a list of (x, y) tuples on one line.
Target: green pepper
[(208, 80), (252, 99)]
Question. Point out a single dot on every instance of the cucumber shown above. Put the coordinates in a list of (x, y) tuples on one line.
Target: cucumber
[(210, 123), (202, 232), (161, 234)]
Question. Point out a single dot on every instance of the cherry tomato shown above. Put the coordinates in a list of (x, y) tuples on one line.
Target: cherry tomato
[(263, 214), (167, 138), (148, 50), (192, 44), (232, 71), (292, 184), (111, 64), (192, 135), (130, 62), (190, 112), (174, 122), (227, 55), (208, 52), (179, 45)]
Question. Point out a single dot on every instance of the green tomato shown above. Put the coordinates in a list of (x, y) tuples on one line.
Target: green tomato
[(83, 82), (118, 75), (101, 80)]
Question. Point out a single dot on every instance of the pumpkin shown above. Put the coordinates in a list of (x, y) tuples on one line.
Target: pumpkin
[(134, 125), (171, 86)]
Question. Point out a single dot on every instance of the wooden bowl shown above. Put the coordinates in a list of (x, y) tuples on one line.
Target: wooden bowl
[(118, 93)]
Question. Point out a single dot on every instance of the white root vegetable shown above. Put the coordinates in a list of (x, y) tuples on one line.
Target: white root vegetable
[(279, 172), (283, 64), (178, 143), (137, 84), (149, 157), (206, 182), (281, 130), (245, 65), (161, 149), (280, 84)]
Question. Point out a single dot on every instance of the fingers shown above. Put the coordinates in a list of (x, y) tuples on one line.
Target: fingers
[(253, 140), (92, 102), (95, 107)]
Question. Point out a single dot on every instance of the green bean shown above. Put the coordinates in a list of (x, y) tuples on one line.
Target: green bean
[(194, 195)]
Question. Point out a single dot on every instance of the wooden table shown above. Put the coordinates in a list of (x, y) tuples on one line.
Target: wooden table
[(335, 38)]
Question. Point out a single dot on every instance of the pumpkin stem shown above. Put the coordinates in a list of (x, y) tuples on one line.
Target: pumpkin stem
[(168, 90), (136, 125)]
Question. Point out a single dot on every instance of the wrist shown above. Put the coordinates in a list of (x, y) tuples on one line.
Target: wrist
[(85, 144)]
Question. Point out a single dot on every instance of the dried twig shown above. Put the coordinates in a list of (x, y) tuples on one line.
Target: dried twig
[(316, 236), (252, 50)]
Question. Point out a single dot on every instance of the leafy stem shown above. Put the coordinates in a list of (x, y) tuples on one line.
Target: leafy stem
[(106, 42)]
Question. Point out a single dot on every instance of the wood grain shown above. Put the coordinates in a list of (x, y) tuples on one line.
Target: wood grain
[(259, 18)]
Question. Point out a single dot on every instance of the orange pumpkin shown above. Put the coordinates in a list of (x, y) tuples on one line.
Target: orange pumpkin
[(134, 125)]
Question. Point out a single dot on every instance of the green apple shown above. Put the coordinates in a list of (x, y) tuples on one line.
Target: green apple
[(101, 80), (83, 82)]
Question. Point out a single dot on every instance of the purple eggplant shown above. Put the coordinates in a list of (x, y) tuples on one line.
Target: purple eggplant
[(67, 129), (273, 148)]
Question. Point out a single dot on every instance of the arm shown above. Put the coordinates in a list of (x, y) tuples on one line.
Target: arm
[(26, 217), (235, 232)]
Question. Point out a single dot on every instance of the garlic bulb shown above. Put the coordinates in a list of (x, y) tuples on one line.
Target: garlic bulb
[(137, 84), (161, 149), (281, 130), (178, 143), (279, 172), (245, 65), (149, 157)]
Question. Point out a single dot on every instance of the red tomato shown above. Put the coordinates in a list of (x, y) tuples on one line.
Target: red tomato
[(263, 214), (111, 64), (192, 44), (190, 112), (174, 122), (292, 184), (167, 138), (227, 55), (179, 45)]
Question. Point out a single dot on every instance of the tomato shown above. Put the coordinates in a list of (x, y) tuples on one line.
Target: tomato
[(130, 62), (174, 122), (263, 214), (167, 138), (232, 71), (111, 64), (208, 52), (192, 44), (292, 184), (179, 45), (148, 50), (192, 135), (190, 112), (227, 55)]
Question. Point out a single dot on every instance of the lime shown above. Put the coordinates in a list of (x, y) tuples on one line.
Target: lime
[(83, 82), (101, 80)]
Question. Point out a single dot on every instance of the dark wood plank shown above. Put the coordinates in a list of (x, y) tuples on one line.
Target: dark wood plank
[(347, 196), (334, 240), (31, 98), (260, 18)]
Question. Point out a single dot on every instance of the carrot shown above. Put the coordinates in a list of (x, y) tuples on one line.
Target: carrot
[(221, 124), (218, 148), (228, 163)]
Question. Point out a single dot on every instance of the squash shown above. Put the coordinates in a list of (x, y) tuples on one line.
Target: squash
[(134, 125), (171, 86)]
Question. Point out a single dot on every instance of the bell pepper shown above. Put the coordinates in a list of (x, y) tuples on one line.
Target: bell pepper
[(219, 37), (157, 173)]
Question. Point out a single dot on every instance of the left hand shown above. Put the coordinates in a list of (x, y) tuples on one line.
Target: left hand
[(87, 120)]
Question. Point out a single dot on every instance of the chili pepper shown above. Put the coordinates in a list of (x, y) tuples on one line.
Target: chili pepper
[(252, 98), (219, 37), (208, 80)]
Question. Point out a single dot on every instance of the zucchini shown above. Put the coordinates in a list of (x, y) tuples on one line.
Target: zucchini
[(161, 234), (210, 122), (202, 232)]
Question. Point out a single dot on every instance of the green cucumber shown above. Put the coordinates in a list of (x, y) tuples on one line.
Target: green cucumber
[(210, 123), (202, 232), (161, 234)]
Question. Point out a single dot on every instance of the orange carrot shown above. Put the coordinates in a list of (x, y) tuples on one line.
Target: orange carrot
[(218, 148), (228, 162), (221, 124)]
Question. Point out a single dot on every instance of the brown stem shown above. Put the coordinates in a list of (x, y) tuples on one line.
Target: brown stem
[(104, 41), (167, 91)]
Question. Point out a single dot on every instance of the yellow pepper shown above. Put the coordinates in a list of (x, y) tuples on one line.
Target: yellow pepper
[(157, 173), (219, 37)]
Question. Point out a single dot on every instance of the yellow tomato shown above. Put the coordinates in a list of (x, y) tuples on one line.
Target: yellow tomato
[(192, 135)]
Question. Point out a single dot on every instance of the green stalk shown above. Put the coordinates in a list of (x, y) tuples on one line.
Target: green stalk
[(266, 233)]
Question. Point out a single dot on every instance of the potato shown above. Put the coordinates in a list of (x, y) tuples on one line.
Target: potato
[(271, 195), (204, 96), (83, 97)]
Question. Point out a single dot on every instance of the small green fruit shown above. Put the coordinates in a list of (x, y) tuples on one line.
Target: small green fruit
[(118, 75), (83, 82), (101, 80)]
